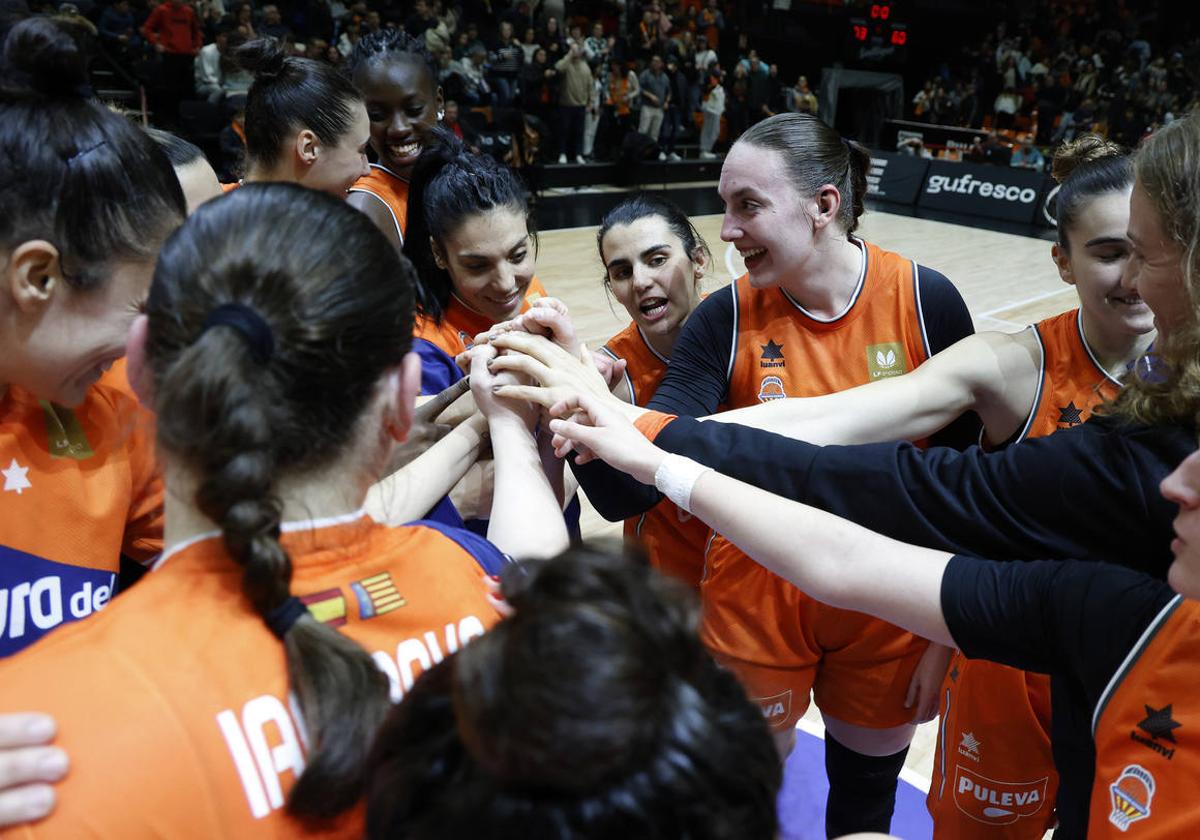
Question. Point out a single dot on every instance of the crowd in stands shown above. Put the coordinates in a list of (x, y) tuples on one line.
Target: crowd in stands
[(585, 74), (1068, 69)]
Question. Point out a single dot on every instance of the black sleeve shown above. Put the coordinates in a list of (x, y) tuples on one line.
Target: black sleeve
[(946, 321), (693, 386), (697, 379), (1089, 492), (1068, 617)]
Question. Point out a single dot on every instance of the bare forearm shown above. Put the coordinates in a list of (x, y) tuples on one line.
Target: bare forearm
[(526, 517), (412, 491), (833, 560)]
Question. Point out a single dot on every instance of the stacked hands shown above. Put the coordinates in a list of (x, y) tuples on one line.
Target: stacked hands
[(537, 360)]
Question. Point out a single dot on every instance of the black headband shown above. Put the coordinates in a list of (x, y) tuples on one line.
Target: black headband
[(249, 323)]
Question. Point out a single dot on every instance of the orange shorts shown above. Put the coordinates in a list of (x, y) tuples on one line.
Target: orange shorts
[(993, 773), (782, 644), (673, 539)]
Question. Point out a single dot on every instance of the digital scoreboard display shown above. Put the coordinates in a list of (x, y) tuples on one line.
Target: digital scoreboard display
[(876, 35)]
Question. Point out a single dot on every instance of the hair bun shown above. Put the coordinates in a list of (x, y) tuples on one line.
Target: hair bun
[(1087, 148), (43, 61), (263, 57)]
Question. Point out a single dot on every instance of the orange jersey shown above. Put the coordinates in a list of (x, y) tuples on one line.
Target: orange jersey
[(392, 192), (994, 732), (984, 702), (80, 488), (174, 704), (1146, 727), (780, 642), (1073, 382), (673, 539), (438, 342)]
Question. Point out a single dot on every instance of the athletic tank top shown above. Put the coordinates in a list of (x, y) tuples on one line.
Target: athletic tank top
[(390, 189), (672, 538), (1146, 727)]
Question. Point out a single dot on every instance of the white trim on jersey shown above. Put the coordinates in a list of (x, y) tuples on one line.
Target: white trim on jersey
[(862, 281), (386, 206), (650, 347), (942, 745), (1091, 355), (285, 527), (920, 309), (1131, 658), (624, 373), (733, 290), (1041, 387)]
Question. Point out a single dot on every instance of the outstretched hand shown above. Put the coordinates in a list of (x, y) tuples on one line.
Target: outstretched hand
[(558, 375), (487, 379), (28, 766), (547, 317), (599, 429)]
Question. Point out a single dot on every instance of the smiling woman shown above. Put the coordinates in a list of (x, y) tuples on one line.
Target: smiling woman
[(398, 80)]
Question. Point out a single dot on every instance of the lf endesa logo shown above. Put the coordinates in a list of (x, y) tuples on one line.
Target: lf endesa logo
[(969, 185)]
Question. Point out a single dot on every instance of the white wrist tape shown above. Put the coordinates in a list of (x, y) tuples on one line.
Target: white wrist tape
[(675, 478)]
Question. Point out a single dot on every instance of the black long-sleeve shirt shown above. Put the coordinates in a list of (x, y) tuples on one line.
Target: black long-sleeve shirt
[(1072, 620), (1089, 492), (697, 381)]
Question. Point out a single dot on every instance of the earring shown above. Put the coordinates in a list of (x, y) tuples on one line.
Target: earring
[(441, 114)]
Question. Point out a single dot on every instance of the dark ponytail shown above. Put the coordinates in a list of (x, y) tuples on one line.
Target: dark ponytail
[(448, 185), (280, 392), (594, 711), (814, 155), (76, 174), (644, 205), (290, 94)]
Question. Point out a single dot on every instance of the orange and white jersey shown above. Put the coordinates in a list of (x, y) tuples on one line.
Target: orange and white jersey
[(438, 342), (79, 489), (673, 539), (392, 192), (1072, 383), (1146, 726), (174, 703)]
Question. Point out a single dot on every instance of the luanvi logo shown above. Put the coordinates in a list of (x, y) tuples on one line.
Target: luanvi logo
[(969, 185)]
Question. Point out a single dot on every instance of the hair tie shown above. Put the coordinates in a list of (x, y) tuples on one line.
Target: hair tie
[(280, 620), (249, 323)]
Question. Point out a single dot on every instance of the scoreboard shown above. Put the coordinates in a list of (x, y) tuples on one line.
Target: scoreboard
[(876, 34)]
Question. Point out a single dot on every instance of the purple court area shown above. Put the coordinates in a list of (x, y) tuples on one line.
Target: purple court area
[(801, 801)]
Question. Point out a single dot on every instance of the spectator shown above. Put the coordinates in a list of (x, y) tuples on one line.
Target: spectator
[(591, 119), (1006, 106), (174, 31), (574, 91), (530, 44), (553, 40), (706, 56), (645, 41), (992, 150), (801, 99), (737, 109), (758, 89), (713, 107), (506, 65), (451, 123), (272, 24), (1027, 156), (473, 71), (118, 30), (712, 23), (656, 92), (622, 100), (673, 113), (243, 15), (597, 45), (209, 72), (922, 102), (539, 85), (420, 20)]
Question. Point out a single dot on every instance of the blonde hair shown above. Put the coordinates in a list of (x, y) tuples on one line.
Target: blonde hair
[(1167, 167)]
